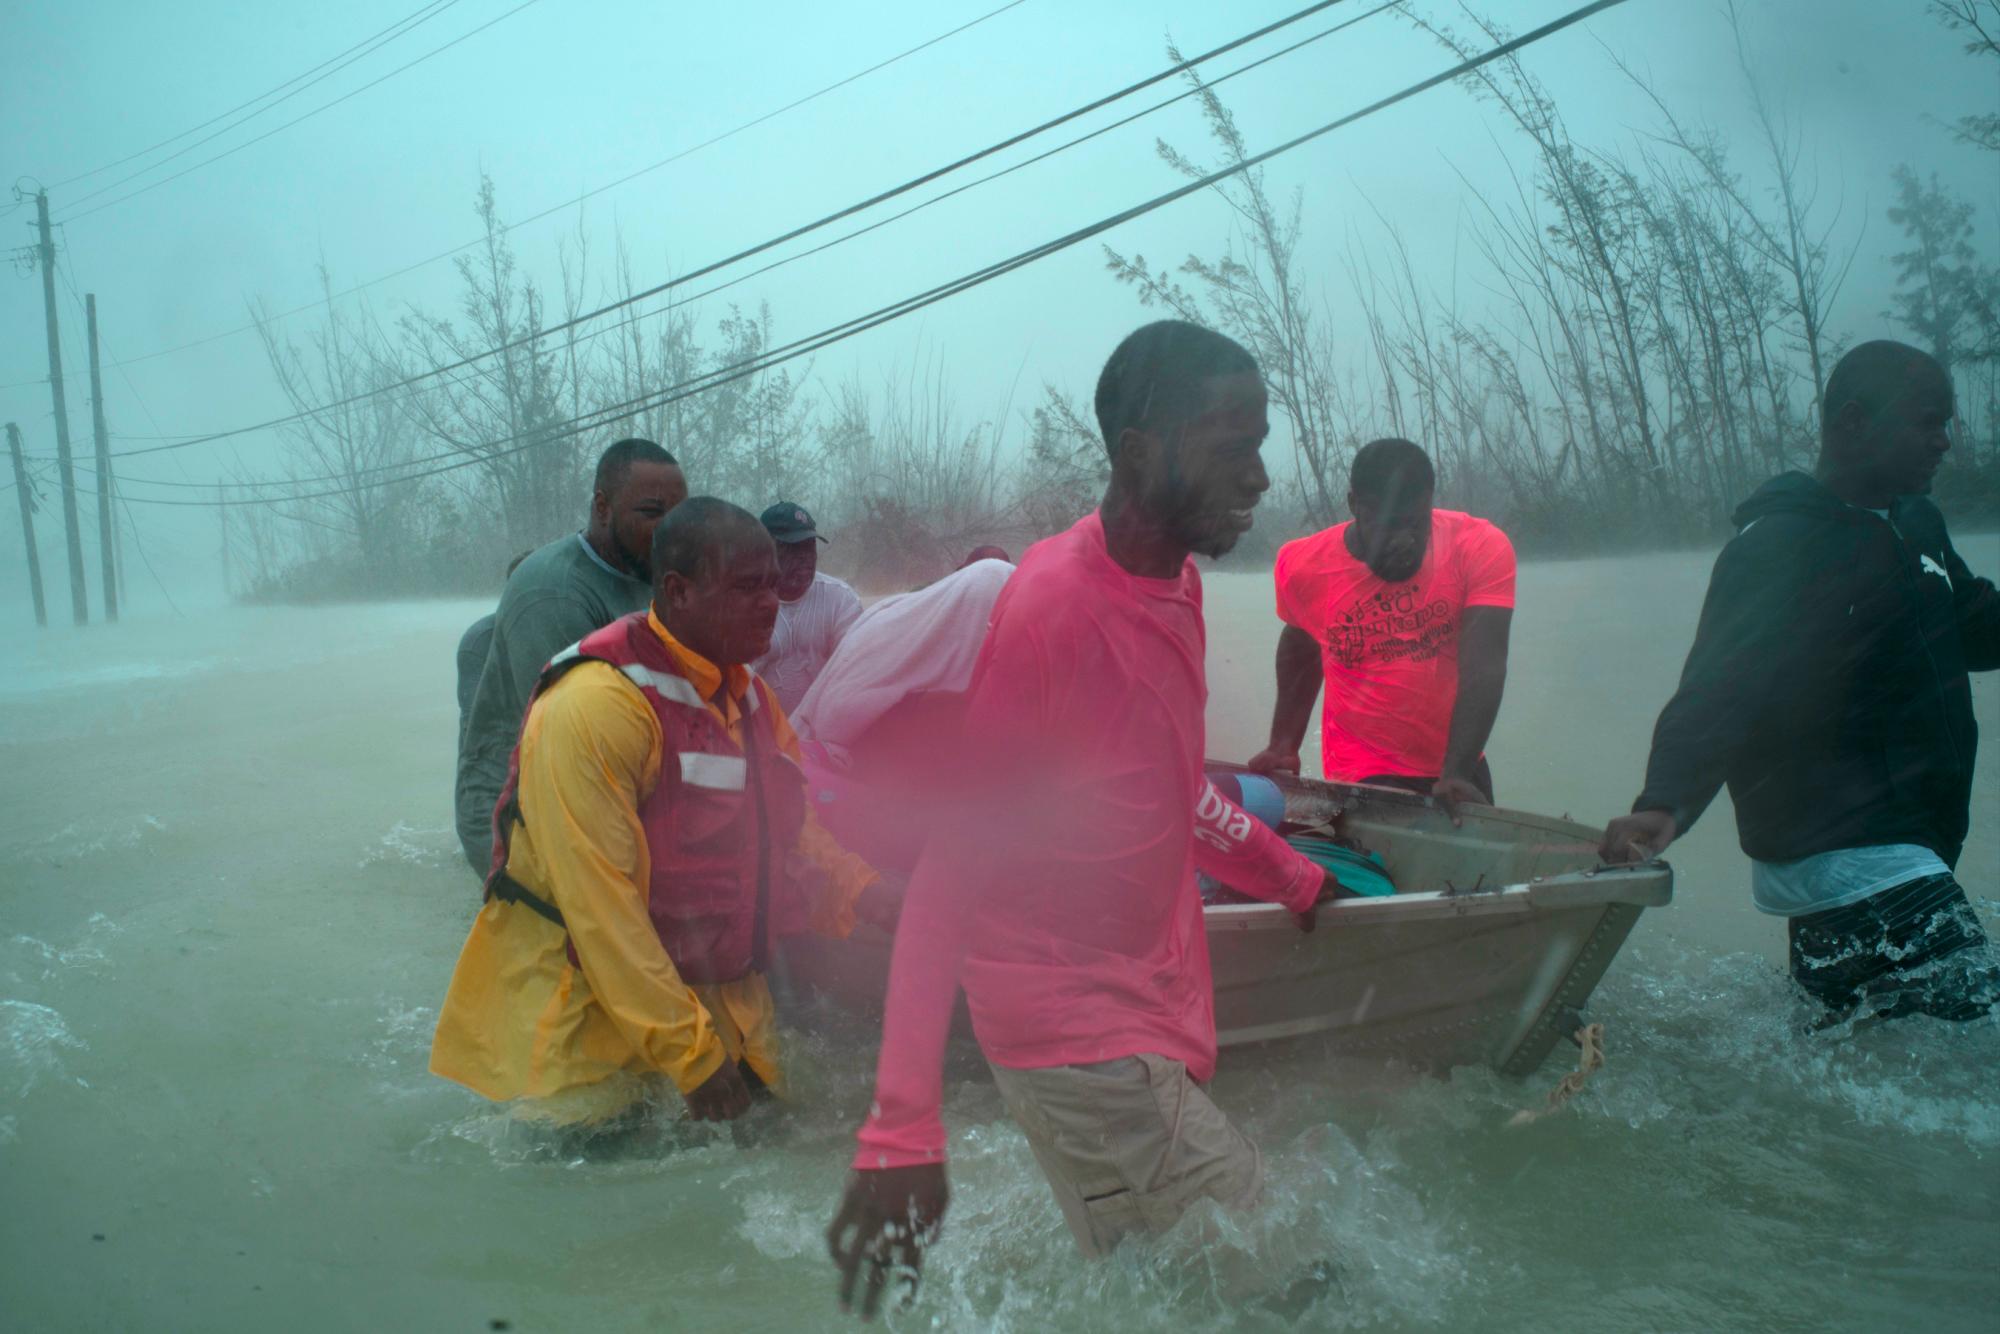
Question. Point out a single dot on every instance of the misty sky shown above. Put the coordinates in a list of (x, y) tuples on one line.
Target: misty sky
[(567, 95)]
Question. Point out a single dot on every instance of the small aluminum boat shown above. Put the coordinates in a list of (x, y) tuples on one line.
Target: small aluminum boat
[(1496, 936)]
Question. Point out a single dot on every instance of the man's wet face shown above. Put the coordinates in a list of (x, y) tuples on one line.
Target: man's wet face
[(797, 563), (727, 612), (1210, 469), (1900, 449), (1392, 535), (646, 495)]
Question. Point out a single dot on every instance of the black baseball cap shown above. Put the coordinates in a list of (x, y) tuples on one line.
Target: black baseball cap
[(788, 523)]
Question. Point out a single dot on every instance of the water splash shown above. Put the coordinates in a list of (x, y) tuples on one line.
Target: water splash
[(33, 1039), (1691, 1021), (405, 845), (87, 955), (73, 842)]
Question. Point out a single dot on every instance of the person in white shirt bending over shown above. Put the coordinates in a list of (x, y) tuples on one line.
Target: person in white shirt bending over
[(814, 609)]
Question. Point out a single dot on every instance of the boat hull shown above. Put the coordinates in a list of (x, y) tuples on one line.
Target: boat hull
[(1504, 927)]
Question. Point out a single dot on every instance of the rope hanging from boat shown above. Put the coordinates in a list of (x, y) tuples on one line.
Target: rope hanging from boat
[(1591, 1039)]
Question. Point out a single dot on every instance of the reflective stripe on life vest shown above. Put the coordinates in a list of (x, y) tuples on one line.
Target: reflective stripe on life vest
[(676, 688), (723, 773)]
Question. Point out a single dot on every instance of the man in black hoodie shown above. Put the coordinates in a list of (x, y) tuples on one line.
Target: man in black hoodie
[(1828, 687)]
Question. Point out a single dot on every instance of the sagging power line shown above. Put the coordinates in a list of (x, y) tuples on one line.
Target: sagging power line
[(269, 97), (552, 210), (806, 346), (761, 247), (717, 289), (325, 106)]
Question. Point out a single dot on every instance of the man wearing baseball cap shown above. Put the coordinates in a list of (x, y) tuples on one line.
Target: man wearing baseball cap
[(814, 609)]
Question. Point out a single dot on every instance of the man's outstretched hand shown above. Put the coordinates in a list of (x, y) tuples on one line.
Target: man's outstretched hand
[(1450, 793), (1275, 760), (886, 1220), (1638, 837), (1330, 891)]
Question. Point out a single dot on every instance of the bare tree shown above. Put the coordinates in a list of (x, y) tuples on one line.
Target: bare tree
[(346, 442), (919, 483), (1064, 469), (504, 411), (1254, 293), (1980, 21)]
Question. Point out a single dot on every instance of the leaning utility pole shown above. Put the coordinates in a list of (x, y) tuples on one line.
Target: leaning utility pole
[(118, 547), (28, 523), (222, 510), (107, 531), (79, 600)]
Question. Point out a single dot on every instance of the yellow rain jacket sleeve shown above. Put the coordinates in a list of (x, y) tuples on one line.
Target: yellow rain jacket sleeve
[(520, 1020)]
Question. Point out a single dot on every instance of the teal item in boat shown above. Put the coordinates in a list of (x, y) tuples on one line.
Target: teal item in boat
[(1358, 872)]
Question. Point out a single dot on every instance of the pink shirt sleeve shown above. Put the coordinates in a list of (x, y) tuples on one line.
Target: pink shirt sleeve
[(1244, 853), (1005, 716), (904, 1126), (1488, 562)]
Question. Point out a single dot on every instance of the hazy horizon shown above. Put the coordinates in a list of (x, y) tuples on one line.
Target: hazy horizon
[(551, 102)]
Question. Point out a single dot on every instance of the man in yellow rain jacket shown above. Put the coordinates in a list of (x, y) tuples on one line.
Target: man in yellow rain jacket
[(652, 839)]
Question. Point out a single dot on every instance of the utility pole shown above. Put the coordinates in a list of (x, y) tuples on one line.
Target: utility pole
[(118, 548), (107, 533), (28, 524), (79, 600), (222, 508)]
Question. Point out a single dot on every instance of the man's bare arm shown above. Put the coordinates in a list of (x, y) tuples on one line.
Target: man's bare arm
[(1482, 677), (1299, 679)]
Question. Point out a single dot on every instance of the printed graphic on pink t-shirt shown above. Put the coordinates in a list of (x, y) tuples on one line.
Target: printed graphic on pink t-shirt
[(1390, 650)]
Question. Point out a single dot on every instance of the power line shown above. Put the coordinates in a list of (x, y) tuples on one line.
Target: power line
[(133, 524), (839, 240), (706, 269), (386, 35), (76, 299), (909, 305), (327, 106), (566, 204)]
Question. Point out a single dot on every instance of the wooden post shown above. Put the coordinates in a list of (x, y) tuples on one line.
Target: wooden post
[(107, 531), (79, 600), (28, 523)]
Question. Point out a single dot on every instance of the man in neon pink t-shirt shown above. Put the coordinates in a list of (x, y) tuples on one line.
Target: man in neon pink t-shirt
[(1403, 614), (1060, 891)]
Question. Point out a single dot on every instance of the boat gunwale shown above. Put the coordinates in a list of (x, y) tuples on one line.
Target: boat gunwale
[(1649, 885)]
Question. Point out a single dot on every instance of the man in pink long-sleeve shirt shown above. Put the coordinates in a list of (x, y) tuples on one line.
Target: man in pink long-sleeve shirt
[(1061, 893)]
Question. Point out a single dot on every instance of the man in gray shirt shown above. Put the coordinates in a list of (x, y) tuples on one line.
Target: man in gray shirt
[(556, 596), (473, 646)]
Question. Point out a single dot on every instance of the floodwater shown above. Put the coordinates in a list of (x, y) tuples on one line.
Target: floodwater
[(233, 898)]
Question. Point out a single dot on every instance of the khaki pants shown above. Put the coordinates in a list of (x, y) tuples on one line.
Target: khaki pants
[(1128, 1145)]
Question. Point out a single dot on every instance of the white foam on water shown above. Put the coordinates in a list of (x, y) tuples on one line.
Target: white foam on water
[(1737, 1017), (56, 678), (46, 962), (406, 845), (398, 1055), (33, 1039), (73, 842)]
